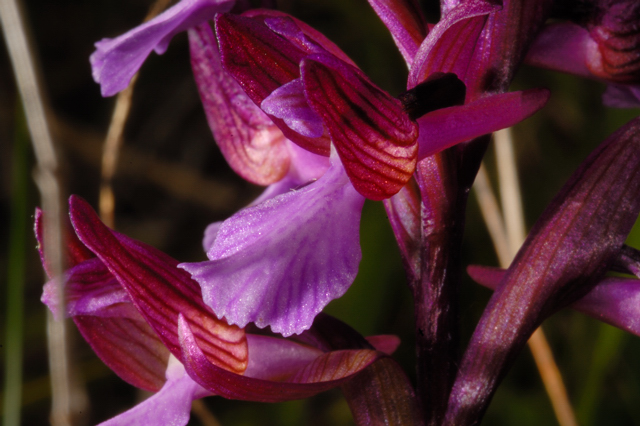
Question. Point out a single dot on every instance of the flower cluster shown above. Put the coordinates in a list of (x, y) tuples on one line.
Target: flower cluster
[(290, 111)]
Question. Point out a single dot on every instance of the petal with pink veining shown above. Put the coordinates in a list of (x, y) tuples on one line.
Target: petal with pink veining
[(325, 372), (159, 290), (450, 45), (253, 146)]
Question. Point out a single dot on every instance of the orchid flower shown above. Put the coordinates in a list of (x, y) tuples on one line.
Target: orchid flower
[(320, 101), (146, 320), (603, 44)]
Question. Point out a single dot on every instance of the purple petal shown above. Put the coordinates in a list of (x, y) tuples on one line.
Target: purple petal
[(159, 290), (210, 234), (277, 359), (325, 372), (374, 136), (290, 104), (171, 405), (279, 263), (90, 289), (445, 127), (116, 60), (450, 45), (385, 343), (615, 301), (305, 167), (405, 22), (621, 96), (562, 47)]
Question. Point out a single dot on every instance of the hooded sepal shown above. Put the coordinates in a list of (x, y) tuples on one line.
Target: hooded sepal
[(374, 136), (253, 146), (159, 290), (261, 60)]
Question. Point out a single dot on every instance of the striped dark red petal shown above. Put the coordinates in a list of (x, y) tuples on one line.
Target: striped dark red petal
[(325, 372), (252, 145), (258, 58), (373, 135), (261, 61), (127, 346), (160, 291)]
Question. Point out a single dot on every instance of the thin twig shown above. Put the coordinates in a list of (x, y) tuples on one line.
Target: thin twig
[(46, 178), (113, 141), (515, 226)]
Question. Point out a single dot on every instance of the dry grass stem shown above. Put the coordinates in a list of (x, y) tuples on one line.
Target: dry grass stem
[(19, 49), (491, 214), (113, 141)]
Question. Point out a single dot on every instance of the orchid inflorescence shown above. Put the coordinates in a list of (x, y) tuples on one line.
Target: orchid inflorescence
[(291, 111)]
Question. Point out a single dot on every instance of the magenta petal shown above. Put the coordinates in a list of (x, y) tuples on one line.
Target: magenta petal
[(405, 22), (279, 263), (159, 290), (445, 127), (325, 372), (386, 343), (620, 96), (116, 60), (276, 359), (562, 47), (253, 146), (450, 45), (289, 103), (171, 405)]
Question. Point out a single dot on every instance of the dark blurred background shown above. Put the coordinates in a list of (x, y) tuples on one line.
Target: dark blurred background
[(172, 181)]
